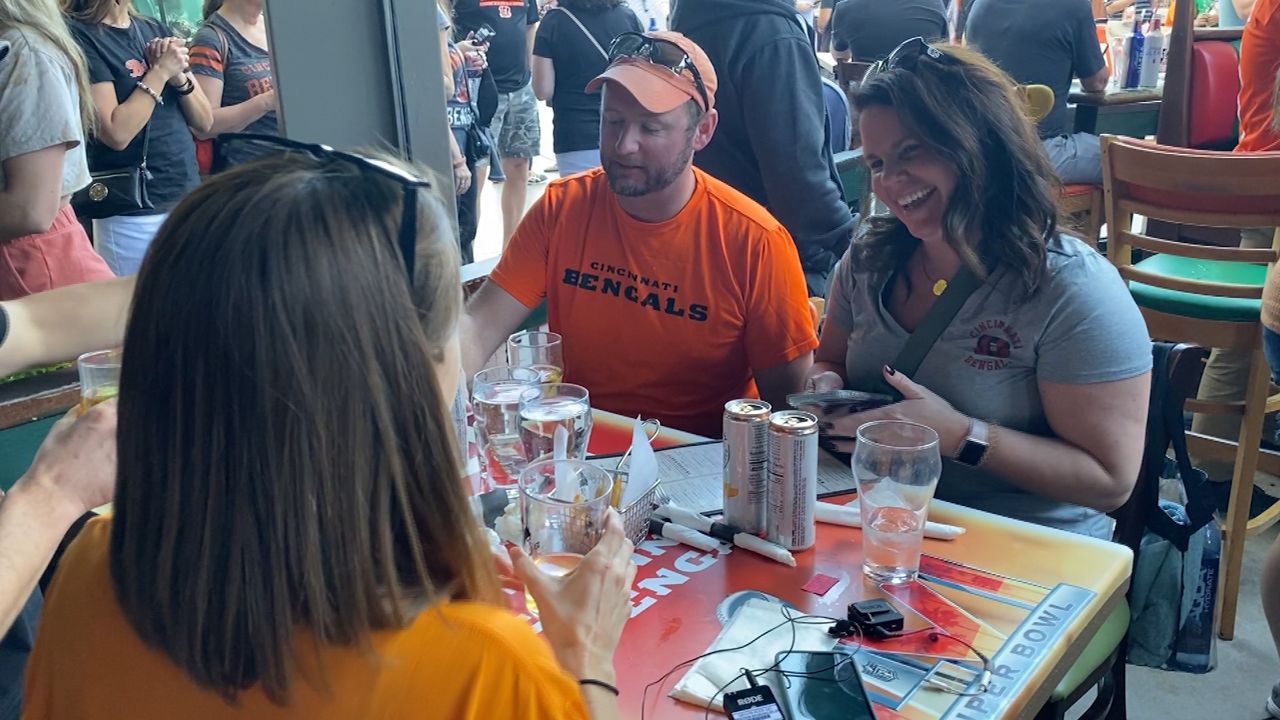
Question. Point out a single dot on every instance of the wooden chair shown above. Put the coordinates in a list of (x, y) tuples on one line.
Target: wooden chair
[(1201, 86), (1210, 296)]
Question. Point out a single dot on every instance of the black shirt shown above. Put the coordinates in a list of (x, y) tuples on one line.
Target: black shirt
[(118, 56), (577, 61), (1045, 42), (15, 648), (873, 28), (509, 47)]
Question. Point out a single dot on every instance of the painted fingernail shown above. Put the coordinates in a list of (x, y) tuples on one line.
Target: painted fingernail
[(890, 371)]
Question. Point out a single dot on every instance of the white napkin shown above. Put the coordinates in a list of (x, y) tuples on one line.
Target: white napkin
[(851, 516), (710, 675), (642, 472)]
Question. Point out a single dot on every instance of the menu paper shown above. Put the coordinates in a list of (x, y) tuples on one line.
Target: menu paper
[(693, 475)]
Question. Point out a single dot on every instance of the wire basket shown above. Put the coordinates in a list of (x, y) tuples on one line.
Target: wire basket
[(636, 516)]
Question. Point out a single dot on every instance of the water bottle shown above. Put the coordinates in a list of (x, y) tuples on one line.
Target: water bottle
[(653, 24), (1133, 70), (1152, 54)]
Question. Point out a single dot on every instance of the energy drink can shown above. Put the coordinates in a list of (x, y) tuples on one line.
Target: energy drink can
[(793, 479), (746, 456)]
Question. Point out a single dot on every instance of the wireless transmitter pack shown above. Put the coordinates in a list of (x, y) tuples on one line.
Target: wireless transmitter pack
[(873, 618), (754, 703)]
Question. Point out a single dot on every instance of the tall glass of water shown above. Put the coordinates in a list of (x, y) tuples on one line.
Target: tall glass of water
[(563, 506), (896, 465), (548, 407), (542, 351), (495, 398)]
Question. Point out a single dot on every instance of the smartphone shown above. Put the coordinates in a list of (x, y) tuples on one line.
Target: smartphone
[(823, 685), (483, 35), (839, 401)]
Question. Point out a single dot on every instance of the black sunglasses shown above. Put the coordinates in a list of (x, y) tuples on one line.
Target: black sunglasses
[(408, 240), (907, 56), (662, 53)]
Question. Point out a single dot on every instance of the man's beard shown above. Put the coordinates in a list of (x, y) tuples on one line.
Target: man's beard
[(655, 179)]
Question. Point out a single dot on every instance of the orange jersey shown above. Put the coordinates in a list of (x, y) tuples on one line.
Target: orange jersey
[(669, 319), (1259, 65), (462, 660)]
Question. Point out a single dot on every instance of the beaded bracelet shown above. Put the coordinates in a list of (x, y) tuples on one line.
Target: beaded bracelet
[(600, 684), (154, 95)]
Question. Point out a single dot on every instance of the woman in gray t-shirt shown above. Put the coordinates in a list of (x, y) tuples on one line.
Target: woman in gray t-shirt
[(1048, 361)]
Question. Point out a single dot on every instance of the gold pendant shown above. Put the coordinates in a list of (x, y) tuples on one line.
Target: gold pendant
[(939, 287)]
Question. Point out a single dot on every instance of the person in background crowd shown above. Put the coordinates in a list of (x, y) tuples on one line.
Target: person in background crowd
[(1115, 10), (571, 48), (1234, 13), (771, 140), (232, 66), (388, 605), (459, 90), (1226, 375), (1047, 42), (649, 252), (74, 470), (1050, 350), (868, 30), (139, 79), (45, 110), (651, 13), (515, 126)]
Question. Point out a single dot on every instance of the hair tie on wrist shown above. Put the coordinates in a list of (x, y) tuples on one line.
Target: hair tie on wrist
[(600, 684)]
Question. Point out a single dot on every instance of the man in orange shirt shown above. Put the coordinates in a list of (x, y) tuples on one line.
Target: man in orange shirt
[(674, 292)]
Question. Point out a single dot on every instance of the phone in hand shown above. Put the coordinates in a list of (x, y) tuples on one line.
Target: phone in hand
[(839, 401), (483, 35)]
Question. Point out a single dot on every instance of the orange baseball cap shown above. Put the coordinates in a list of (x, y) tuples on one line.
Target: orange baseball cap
[(656, 87)]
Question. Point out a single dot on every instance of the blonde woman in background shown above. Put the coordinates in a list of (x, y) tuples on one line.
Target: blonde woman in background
[(45, 111)]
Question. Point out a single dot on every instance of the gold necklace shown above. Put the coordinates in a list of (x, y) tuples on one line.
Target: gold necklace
[(939, 286)]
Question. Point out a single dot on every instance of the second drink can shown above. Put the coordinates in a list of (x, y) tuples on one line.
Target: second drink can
[(746, 455), (793, 479)]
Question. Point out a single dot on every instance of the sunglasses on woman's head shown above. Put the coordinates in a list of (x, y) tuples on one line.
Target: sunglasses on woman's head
[(662, 53), (408, 240), (907, 55)]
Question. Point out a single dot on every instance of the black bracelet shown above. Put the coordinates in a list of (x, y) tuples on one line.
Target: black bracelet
[(187, 88), (600, 684)]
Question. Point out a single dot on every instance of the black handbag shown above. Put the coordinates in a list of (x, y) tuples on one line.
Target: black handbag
[(118, 191)]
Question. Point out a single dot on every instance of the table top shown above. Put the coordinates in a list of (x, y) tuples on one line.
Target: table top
[(1114, 95), (1029, 597)]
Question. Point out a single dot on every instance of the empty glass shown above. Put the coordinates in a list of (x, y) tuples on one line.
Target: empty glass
[(99, 377), (896, 465), (563, 505), (539, 350), (546, 408), (495, 398)]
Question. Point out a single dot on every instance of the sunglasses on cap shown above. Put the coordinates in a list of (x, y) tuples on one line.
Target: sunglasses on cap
[(408, 240), (907, 56), (662, 53)]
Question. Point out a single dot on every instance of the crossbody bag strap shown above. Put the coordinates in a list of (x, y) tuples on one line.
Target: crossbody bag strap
[(586, 32), (146, 129), (935, 321)]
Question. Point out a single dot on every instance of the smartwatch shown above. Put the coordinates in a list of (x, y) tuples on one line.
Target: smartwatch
[(973, 450)]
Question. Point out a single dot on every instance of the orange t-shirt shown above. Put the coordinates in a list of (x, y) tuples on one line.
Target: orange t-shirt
[(668, 319), (457, 660), (1259, 65)]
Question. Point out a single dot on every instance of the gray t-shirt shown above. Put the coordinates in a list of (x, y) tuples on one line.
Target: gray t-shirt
[(1080, 327), (40, 105), (1039, 42)]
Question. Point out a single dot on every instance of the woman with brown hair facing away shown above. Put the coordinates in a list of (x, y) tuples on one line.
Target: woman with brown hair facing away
[(292, 538)]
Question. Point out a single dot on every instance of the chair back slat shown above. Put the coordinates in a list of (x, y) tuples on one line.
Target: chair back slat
[(1197, 287)]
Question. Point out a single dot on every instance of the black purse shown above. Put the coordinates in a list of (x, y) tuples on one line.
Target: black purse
[(116, 192)]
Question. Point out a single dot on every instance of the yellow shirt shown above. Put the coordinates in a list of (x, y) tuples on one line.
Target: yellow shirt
[(458, 660)]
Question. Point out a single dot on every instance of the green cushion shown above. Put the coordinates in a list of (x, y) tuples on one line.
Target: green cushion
[(1103, 644), (1204, 307)]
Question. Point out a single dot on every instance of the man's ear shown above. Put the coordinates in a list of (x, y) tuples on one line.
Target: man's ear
[(706, 129)]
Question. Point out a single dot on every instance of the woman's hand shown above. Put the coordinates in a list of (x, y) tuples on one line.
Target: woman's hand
[(461, 177), (473, 54), (583, 612), (919, 405), (268, 101), (170, 57), (76, 462)]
